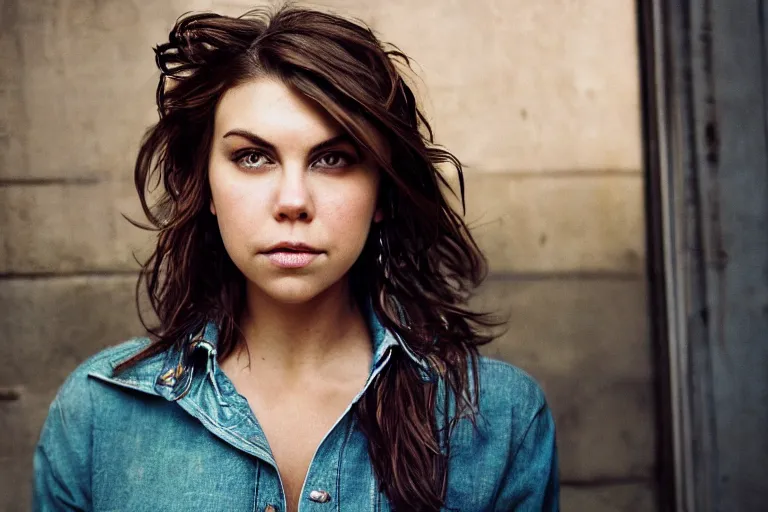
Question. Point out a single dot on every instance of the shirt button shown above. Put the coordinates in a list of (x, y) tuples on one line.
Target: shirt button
[(320, 496)]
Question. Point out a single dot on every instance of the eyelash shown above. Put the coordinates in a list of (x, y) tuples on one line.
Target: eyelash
[(239, 156)]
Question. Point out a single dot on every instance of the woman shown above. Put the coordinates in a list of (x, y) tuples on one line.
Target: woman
[(314, 348)]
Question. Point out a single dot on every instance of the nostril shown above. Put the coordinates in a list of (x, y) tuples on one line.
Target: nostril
[(292, 214)]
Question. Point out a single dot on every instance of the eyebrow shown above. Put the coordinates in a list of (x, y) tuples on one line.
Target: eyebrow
[(258, 141)]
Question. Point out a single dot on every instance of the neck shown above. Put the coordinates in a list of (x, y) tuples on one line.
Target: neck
[(293, 337)]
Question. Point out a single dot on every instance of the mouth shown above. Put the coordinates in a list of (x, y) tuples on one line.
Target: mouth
[(292, 255), (292, 247)]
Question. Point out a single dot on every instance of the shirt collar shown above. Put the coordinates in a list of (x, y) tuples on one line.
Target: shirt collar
[(384, 339), (175, 378)]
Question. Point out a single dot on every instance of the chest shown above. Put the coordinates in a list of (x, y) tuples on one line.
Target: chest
[(295, 424), (196, 455)]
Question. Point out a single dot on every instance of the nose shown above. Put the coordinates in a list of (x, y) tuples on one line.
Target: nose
[(293, 201)]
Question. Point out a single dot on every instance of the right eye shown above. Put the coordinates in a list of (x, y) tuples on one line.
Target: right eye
[(251, 159)]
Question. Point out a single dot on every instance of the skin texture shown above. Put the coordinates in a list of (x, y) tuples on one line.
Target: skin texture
[(306, 350), (268, 197)]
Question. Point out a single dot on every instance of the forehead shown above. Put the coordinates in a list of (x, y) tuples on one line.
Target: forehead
[(270, 109)]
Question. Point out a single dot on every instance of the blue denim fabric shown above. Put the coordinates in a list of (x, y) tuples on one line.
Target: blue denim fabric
[(172, 434)]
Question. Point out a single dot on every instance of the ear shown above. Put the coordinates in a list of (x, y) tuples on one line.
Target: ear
[(212, 207), (378, 215)]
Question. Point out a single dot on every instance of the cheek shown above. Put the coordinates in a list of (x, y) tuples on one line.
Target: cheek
[(236, 210), (351, 211)]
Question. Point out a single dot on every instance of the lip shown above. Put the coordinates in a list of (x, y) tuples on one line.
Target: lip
[(291, 254), (285, 259), (292, 247)]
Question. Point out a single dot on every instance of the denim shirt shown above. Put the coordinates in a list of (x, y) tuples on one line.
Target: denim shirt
[(172, 434)]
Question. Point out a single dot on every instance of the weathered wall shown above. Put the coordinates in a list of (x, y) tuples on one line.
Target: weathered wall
[(538, 97)]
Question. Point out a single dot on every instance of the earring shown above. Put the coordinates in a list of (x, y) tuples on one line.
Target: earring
[(383, 258)]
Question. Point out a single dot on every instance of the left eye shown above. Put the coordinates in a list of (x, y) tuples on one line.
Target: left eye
[(333, 160)]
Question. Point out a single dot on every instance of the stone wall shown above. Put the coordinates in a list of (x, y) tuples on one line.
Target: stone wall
[(538, 97)]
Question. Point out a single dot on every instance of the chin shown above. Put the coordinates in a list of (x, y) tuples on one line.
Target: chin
[(292, 290)]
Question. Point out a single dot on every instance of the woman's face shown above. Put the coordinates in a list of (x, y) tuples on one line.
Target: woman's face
[(293, 197)]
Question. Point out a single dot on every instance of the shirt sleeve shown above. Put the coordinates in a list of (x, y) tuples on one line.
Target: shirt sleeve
[(62, 458), (531, 482)]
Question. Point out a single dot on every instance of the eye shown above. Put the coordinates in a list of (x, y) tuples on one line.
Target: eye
[(334, 160), (251, 159)]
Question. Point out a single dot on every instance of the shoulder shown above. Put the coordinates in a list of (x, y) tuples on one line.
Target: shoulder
[(508, 402), (77, 388), (62, 458), (506, 390), (506, 451), (91, 389)]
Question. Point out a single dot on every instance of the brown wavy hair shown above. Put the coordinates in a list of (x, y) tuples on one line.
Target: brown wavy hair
[(417, 269)]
